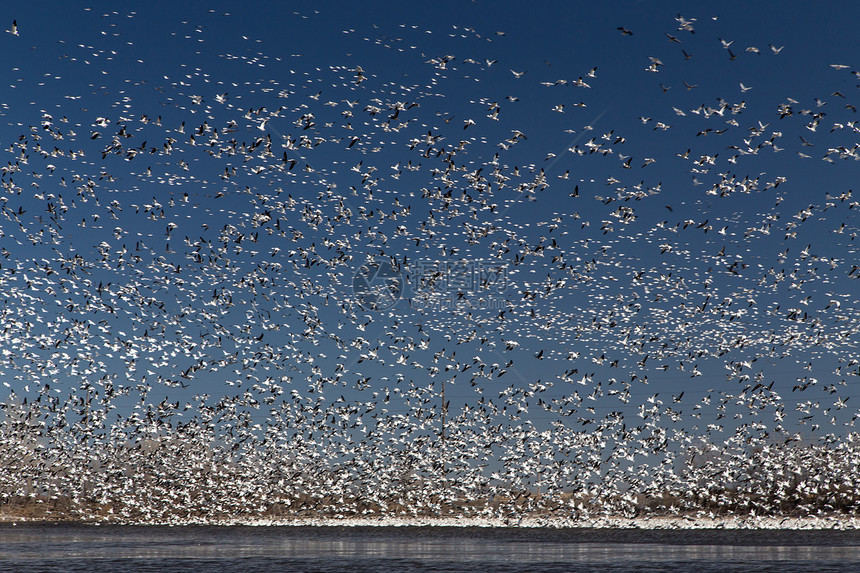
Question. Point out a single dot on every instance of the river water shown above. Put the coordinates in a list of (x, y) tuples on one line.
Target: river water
[(64, 547)]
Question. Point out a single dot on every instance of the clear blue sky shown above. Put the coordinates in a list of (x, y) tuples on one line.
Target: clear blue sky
[(678, 259)]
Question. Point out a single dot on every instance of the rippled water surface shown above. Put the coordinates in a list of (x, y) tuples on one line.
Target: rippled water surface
[(263, 549)]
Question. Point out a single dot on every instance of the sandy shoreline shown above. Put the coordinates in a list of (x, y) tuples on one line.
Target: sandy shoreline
[(603, 523), (655, 522)]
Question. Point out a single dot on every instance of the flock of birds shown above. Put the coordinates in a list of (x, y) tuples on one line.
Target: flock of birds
[(181, 337)]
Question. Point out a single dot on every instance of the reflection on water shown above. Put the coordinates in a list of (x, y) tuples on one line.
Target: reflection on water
[(103, 548)]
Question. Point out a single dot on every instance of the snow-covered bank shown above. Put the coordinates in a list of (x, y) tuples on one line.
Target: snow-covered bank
[(834, 522), (839, 522)]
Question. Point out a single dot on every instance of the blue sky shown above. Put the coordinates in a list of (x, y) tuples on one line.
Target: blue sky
[(626, 257)]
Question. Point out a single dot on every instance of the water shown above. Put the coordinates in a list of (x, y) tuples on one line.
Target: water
[(61, 547)]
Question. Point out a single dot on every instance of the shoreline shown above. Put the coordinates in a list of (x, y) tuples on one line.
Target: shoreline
[(653, 522)]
